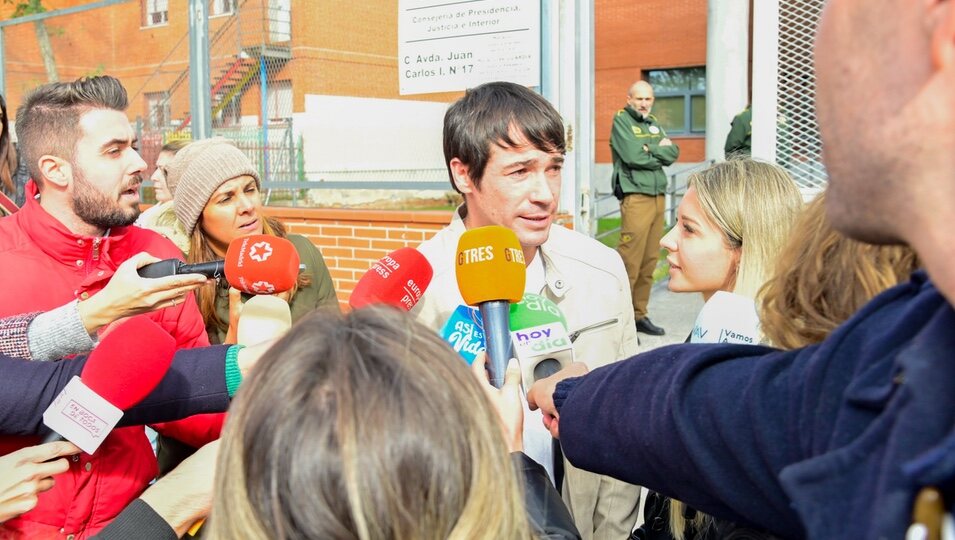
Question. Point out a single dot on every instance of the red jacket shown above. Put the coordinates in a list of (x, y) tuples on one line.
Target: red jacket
[(42, 266)]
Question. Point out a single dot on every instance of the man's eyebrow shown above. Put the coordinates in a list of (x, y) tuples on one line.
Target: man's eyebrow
[(118, 141), (526, 162), (523, 163)]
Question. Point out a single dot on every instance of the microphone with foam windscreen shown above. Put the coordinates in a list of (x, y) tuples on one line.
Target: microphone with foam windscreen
[(490, 271), (398, 279), (464, 332), (123, 369), (254, 264), (541, 343)]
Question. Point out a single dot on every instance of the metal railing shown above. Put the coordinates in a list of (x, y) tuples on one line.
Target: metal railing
[(676, 187)]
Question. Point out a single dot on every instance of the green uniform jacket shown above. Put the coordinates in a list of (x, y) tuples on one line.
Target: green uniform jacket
[(739, 140), (637, 169), (321, 291)]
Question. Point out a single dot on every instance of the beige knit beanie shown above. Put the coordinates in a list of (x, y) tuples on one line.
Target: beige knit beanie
[(198, 170)]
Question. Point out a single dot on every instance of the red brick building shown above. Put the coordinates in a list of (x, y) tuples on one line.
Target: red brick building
[(338, 48), (651, 39)]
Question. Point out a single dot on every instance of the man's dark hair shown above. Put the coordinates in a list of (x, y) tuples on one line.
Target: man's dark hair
[(485, 116), (48, 119)]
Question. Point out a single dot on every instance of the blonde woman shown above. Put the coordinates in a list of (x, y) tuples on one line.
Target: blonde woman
[(731, 224), (369, 426)]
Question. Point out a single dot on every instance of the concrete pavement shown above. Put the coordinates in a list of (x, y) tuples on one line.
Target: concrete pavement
[(675, 312)]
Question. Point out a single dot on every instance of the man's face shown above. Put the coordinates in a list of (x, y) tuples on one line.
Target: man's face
[(107, 170), (520, 190), (641, 98), (863, 90)]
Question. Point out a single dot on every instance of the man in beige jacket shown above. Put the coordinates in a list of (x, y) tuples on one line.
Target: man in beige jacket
[(504, 147)]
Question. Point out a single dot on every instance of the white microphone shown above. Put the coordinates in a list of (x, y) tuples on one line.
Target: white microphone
[(540, 339), (263, 317), (727, 318)]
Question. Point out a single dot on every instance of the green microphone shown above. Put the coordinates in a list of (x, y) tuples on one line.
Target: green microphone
[(539, 336)]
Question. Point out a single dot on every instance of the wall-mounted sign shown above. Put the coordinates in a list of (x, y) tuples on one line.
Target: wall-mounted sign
[(446, 46)]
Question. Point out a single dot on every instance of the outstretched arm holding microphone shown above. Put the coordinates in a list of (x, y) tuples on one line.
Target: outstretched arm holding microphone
[(128, 294), (72, 328), (545, 510)]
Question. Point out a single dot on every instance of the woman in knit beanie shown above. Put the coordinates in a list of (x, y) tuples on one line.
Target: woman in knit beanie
[(217, 199)]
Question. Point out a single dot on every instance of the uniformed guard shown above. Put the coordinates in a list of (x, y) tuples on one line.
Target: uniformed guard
[(640, 149)]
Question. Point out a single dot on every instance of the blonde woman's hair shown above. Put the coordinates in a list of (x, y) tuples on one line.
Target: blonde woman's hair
[(754, 204), (823, 277), (364, 426)]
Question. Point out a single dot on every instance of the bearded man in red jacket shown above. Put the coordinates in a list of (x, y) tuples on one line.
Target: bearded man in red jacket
[(65, 243)]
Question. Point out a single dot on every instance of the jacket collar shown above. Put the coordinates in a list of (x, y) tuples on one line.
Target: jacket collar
[(637, 116), (51, 237), (929, 381), (555, 281)]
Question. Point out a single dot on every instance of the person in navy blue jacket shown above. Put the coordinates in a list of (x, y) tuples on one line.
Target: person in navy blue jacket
[(835, 440)]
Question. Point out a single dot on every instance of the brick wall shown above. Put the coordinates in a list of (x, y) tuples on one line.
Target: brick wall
[(351, 240), (632, 37)]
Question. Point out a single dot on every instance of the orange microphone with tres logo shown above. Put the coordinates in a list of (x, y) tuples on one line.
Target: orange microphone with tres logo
[(491, 272)]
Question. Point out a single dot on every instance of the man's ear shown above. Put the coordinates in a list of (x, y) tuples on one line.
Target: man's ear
[(462, 178), (942, 20), (55, 170)]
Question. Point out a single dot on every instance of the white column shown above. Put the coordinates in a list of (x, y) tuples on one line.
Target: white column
[(200, 106), (765, 73), (567, 82), (584, 126), (727, 35)]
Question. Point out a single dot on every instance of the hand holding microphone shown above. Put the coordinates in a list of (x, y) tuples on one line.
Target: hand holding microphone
[(490, 271), (541, 395), (254, 264), (506, 400), (262, 317), (128, 294)]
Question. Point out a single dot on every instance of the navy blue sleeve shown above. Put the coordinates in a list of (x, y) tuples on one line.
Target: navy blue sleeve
[(28, 388), (701, 423), (716, 425), (195, 384)]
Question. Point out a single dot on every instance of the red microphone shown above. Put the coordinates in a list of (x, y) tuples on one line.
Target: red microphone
[(121, 372), (397, 279), (255, 264)]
